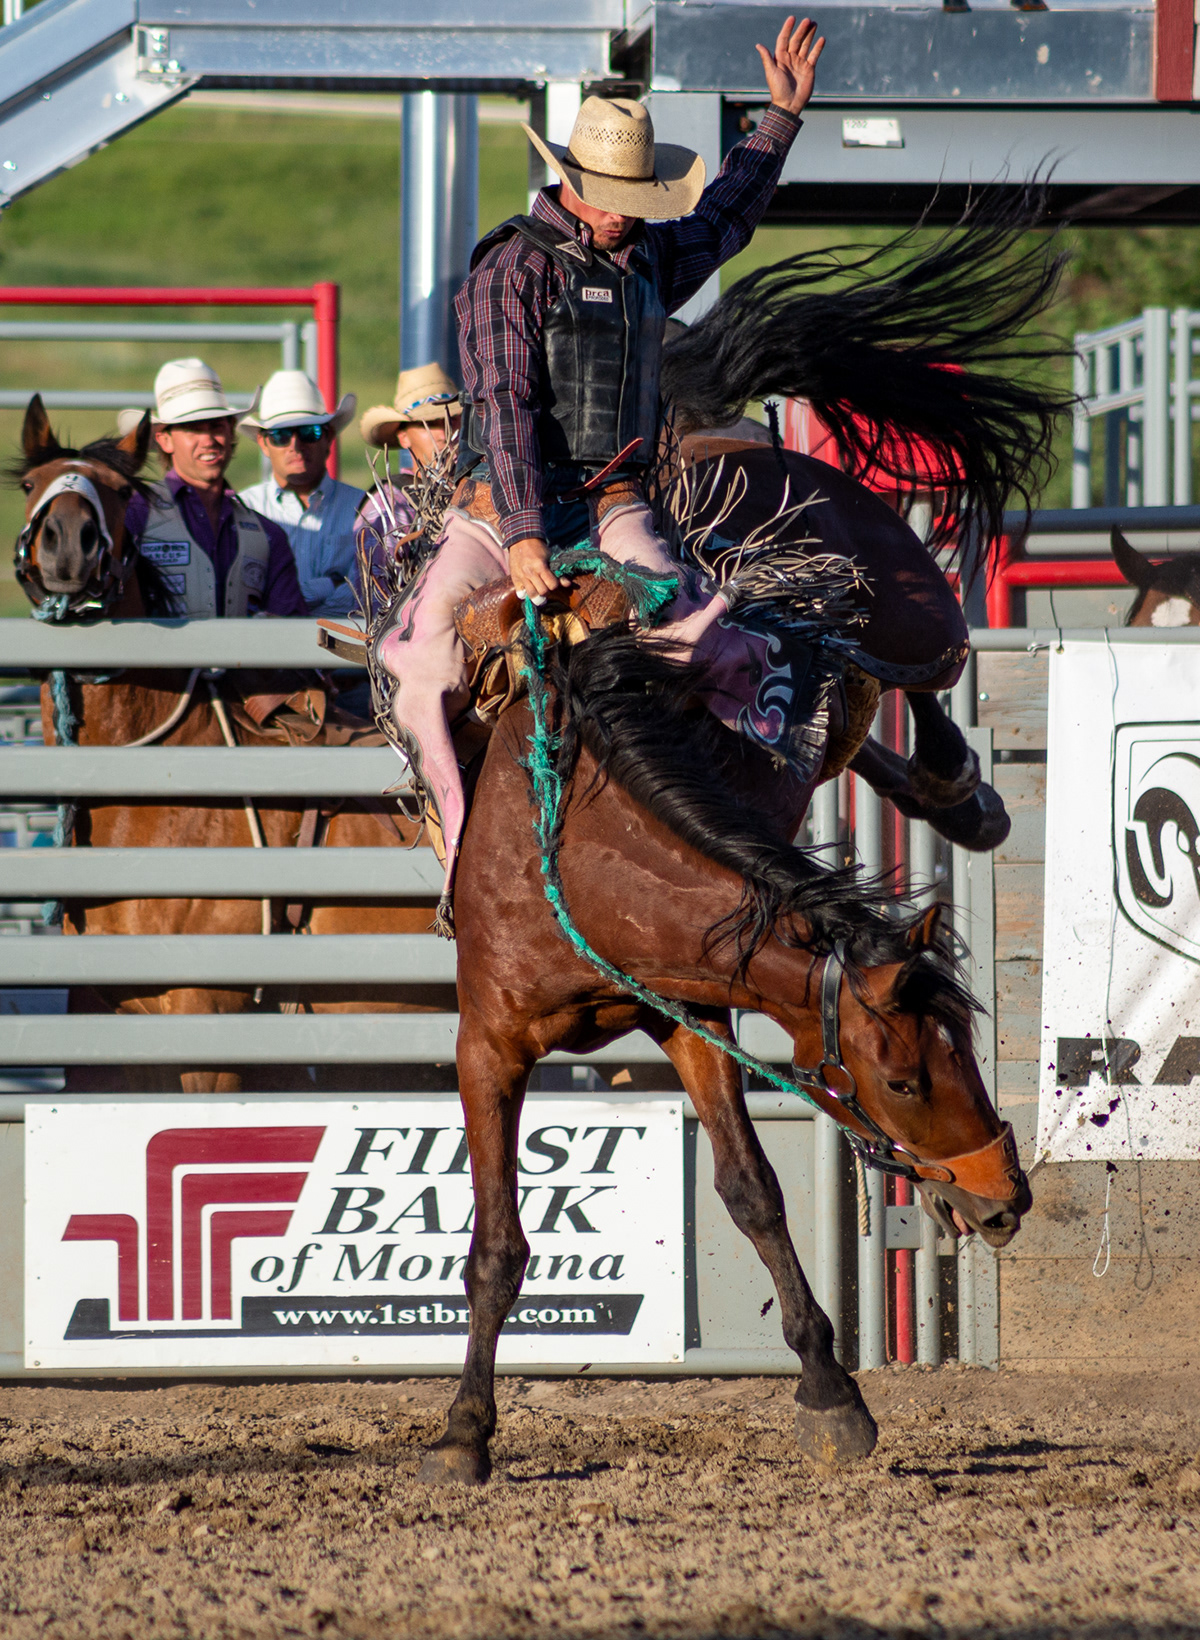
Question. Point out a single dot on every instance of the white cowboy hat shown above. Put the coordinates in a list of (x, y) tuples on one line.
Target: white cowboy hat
[(424, 394), (289, 398), (189, 390), (613, 162)]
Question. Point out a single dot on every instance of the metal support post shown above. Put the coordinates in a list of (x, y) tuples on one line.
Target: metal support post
[(929, 1319), (872, 1258), (1126, 355), (872, 1267), (327, 311), (1156, 415), (14, 10), (1081, 438), (439, 217), (552, 111), (827, 1135), (1181, 477), (966, 1301)]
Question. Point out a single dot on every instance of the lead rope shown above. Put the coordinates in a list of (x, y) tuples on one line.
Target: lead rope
[(548, 792), (66, 726)]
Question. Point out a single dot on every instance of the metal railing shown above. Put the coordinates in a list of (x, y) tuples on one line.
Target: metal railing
[(319, 335), (297, 348), (897, 1270), (1137, 378)]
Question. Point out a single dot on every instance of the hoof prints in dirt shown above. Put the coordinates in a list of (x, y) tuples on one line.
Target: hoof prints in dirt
[(994, 1505)]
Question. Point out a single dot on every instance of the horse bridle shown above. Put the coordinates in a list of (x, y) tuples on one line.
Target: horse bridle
[(995, 1163), (105, 587)]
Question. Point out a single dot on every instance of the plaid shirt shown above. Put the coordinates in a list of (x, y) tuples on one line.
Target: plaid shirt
[(501, 307)]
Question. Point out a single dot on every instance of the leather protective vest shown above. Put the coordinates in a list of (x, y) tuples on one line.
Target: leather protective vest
[(188, 571), (602, 342)]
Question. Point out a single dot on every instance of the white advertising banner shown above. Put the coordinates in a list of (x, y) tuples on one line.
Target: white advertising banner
[(1121, 982), (333, 1232)]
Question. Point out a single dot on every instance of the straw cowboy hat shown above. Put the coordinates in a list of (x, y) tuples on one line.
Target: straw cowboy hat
[(289, 398), (613, 162), (425, 394), (189, 390)]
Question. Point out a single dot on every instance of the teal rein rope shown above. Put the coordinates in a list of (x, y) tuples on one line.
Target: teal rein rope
[(544, 745), (66, 726)]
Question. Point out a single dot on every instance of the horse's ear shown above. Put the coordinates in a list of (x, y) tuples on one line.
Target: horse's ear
[(37, 439), (137, 441), (1136, 569), (925, 933)]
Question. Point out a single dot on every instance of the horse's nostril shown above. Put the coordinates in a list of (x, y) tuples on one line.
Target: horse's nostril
[(88, 536)]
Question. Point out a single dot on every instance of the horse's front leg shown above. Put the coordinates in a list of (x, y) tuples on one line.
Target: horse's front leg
[(492, 1077), (833, 1425)]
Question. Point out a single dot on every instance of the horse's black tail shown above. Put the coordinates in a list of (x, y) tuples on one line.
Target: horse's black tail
[(920, 359)]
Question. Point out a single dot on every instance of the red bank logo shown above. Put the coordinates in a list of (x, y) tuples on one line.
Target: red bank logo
[(185, 1178)]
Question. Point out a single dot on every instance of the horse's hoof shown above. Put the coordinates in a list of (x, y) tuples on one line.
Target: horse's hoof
[(980, 824), (839, 1436), (455, 1466)]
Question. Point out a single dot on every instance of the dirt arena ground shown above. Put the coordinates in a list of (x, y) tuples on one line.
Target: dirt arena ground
[(1001, 1504)]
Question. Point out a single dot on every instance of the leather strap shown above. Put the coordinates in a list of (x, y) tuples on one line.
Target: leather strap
[(306, 838), (993, 1172)]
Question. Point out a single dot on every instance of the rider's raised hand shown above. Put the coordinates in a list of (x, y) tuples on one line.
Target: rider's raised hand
[(791, 70), (529, 566)]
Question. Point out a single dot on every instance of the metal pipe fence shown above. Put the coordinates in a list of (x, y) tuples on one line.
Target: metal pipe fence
[(1137, 379), (297, 350), (320, 334)]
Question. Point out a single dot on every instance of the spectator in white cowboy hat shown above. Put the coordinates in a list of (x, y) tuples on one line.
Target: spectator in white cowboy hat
[(295, 432), (216, 555)]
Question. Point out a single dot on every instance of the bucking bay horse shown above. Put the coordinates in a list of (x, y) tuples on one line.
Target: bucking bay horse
[(685, 895), (74, 564)]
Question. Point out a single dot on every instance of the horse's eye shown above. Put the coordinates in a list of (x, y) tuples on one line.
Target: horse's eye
[(27, 485), (125, 492), (902, 1087)]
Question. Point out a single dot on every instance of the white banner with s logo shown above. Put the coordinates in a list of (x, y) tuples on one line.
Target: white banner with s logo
[(1120, 1072)]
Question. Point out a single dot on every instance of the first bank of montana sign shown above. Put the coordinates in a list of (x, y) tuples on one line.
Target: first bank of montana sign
[(336, 1232)]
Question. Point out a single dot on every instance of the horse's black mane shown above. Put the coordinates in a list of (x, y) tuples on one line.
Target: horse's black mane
[(634, 710), (106, 450)]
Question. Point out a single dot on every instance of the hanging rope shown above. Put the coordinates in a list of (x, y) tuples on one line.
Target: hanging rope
[(66, 729), (542, 764)]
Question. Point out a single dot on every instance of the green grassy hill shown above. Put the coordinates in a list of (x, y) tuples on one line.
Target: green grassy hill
[(233, 196)]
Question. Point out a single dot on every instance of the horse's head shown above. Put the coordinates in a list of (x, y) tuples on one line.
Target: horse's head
[(1168, 591), (73, 557), (902, 1030)]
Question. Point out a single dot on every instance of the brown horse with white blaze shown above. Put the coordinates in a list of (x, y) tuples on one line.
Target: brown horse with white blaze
[(677, 883)]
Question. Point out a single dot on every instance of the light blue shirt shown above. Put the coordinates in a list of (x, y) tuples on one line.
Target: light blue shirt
[(322, 538)]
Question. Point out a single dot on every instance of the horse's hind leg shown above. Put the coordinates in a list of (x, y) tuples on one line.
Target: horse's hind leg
[(944, 771), (492, 1081), (833, 1425), (940, 783)]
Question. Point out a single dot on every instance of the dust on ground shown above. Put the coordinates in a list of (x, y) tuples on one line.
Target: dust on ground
[(1001, 1504)]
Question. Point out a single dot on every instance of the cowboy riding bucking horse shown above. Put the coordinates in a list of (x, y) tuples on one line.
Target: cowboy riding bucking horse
[(561, 326)]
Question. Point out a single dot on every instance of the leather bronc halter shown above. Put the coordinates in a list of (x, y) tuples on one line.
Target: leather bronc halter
[(107, 581), (993, 1172)]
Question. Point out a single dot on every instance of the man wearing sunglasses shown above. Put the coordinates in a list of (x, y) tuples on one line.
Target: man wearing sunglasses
[(295, 432)]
